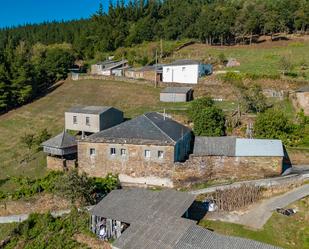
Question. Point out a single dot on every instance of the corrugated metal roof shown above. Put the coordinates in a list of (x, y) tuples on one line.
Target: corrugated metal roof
[(61, 141), (214, 146), (176, 90), (259, 147), (131, 205), (197, 237), (150, 128), (89, 109), (231, 146)]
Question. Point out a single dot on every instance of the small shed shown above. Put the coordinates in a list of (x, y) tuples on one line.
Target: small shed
[(61, 145), (176, 94)]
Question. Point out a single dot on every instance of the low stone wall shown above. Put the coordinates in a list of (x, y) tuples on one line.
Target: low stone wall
[(60, 164), (201, 169)]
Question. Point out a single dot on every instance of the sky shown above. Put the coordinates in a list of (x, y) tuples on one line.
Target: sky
[(18, 12)]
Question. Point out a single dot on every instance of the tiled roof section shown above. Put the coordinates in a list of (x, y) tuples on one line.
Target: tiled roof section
[(259, 147), (89, 109), (184, 62), (115, 64), (176, 90), (197, 237), (303, 89), (132, 205), (61, 141), (214, 146), (150, 128)]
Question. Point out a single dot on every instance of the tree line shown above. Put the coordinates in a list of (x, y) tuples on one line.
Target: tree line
[(126, 24), (33, 57)]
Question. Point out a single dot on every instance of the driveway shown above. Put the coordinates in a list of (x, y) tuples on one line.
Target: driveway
[(259, 213)]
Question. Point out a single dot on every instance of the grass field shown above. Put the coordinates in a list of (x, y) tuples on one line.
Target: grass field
[(286, 232), (48, 112), (5, 230), (259, 59)]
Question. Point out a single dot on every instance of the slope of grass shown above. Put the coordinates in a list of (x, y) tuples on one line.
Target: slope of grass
[(48, 112), (259, 60), (287, 232), (5, 230)]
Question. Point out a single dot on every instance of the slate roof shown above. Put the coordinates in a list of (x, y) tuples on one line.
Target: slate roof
[(184, 62), (156, 223), (303, 89), (115, 64), (214, 146), (231, 146), (150, 128), (61, 141), (176, 90), (89, 109)]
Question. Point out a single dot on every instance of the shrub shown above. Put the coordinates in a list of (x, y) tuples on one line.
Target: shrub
[(198, 105)]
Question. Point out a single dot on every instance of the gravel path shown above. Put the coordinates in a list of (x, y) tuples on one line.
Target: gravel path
[(259, 214)]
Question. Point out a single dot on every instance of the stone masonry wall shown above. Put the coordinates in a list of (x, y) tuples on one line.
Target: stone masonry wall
[(133, 164), (200, 169), (59, 164)]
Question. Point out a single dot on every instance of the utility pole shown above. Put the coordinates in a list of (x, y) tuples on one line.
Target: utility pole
[(156, 68)]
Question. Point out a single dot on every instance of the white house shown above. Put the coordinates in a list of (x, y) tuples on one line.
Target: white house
[(185, 71)]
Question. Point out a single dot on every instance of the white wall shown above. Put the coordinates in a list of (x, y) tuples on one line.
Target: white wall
[(187, 74), (81, 122)]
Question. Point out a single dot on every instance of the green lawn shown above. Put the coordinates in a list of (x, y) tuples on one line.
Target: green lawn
[(260, 59), (287, 232)]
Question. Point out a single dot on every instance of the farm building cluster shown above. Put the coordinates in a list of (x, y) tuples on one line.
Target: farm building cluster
[(144, 219), (179, 71), (155, 150)]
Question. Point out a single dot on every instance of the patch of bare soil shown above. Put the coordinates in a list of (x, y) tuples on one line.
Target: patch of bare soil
[(91, 242), (38, 204)]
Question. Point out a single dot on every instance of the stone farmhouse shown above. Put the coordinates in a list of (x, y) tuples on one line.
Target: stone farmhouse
[(142, 150), (144, 219), (92, 119), (237, 158), (154, 150)]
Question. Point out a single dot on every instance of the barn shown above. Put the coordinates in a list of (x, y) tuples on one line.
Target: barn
[(176, 94)]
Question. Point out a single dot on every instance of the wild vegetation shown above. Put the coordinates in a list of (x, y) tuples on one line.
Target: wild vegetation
[(45, 231)]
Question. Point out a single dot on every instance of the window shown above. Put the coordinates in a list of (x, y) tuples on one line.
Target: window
[(88, 121), (167, 70), (183, 68), (147, 153), (123, 152), (113, 151), (160, 154), (74, 120), (92, 152)]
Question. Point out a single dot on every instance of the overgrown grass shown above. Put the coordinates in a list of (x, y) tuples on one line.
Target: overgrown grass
[(6, 229), (287, 232)]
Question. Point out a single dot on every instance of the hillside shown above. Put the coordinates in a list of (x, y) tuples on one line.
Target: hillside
[(48, 112)]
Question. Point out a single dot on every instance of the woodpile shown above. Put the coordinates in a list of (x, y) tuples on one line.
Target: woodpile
[(236, 198)]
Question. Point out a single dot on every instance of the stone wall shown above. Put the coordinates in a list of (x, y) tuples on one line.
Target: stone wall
[(303, 101), (201, 169), (135, 170), (133, 164), (60, 164)]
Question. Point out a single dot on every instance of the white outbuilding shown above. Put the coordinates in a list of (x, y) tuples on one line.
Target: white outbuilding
[(185, 71)]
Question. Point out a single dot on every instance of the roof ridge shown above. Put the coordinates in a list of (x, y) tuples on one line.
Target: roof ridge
[(159, 127)]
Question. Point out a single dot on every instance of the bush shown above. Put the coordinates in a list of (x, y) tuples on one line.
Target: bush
[(209, 122), (274, 124), (198, 105)]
